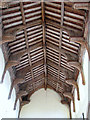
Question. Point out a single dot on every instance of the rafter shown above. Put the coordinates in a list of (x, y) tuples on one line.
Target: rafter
[(70, 31), (60, 40), (9, 35), (26, 37), (67, 54), (61, 83)]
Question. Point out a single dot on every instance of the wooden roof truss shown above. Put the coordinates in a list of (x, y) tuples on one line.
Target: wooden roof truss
[(43, 43)]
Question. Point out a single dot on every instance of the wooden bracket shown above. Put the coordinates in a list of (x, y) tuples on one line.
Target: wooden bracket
[(14, 83), (74, 84), (18, 96), (70, 96), (80, 68)]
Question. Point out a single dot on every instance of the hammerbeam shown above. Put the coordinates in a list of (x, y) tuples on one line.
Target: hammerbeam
[(83, 42), (14, 83), (80, 68), (75, 85), (14, 60)]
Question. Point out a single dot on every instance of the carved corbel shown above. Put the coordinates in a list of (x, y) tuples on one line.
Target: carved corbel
[(14, 83), (80, 68), (18, 96), (75, 85), (83, 42), (70, 96)]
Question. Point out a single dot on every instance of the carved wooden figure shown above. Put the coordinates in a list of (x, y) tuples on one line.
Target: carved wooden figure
[(80, 68), (18, 96), (75, 85), (70, 96)]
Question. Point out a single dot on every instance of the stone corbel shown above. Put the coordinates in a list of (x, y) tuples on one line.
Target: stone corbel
[(75, 85), (70, 96), (80, 68), (18, 96)]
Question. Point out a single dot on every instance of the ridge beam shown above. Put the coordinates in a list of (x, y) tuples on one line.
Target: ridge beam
[(44, 41)]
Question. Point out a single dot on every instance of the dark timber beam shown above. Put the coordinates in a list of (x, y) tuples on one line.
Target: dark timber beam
[(70, 96), (60, 40), (62, 69), (67, 54), (29, 82), (10, 34), (18, 96), (24, 26), (85, 41), (26, 37), (75, 85), (70, 31), (44, 41), (59, 82), (80, 68)]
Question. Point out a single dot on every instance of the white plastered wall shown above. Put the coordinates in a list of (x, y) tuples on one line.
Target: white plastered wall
[(6, 106), (45, 104), (82, 105)]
